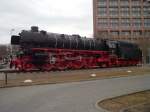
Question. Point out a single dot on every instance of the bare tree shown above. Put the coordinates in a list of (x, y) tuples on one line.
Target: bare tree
[(3, 50), (144, 44)]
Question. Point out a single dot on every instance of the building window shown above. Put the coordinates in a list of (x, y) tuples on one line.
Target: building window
[(136, 8), (115, 33), (113, 3), (136, 33), (136, 11), (102, 3), (103, 34), (125, 22), (136, 23), (124, 11), (113, 11), (136, 3), (114, 22), (124, 3), (124, 14), (102, 11), (147, 22), (146, 3), (103, 23), (103, 20), (146, 11), (125, 33)]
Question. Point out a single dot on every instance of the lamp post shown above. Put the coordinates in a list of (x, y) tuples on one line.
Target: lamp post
[(11, 32)]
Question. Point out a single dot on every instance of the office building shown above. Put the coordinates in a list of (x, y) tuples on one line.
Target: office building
[(122, 19), (127, 20)]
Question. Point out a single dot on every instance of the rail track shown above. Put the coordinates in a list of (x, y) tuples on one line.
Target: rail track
[(69, 70)]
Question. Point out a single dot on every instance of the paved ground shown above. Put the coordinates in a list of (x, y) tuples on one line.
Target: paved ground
[(69, 97)]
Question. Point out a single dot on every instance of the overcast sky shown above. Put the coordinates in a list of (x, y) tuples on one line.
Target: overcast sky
[(59, 16)]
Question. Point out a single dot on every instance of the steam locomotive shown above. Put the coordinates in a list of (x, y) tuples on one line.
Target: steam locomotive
[(52, 51)]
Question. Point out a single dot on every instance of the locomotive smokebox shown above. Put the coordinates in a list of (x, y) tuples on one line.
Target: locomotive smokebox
[(34, 29), (15, 40)]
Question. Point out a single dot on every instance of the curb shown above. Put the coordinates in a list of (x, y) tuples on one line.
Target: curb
[(121, 110), (99, 108)]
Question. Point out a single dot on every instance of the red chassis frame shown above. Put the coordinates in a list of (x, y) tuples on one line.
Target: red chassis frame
[(62, 59)]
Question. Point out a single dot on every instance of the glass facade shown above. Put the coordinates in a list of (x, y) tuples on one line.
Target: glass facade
[(137, 22), (125, 22), (113, 3), (102, 11), (136, 11), (147, 22), (128, 16), (114, 22)]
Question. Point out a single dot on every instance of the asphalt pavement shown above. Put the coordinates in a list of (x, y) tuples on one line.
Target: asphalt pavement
[(69, 97)]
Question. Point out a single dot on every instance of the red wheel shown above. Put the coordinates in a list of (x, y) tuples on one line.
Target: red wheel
[(28, 67), (87, 65), (77, 65), (104, 65), (47, 67), (62, 66)]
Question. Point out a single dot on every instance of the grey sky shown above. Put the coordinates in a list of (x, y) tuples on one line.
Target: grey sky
[(59, 16)]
